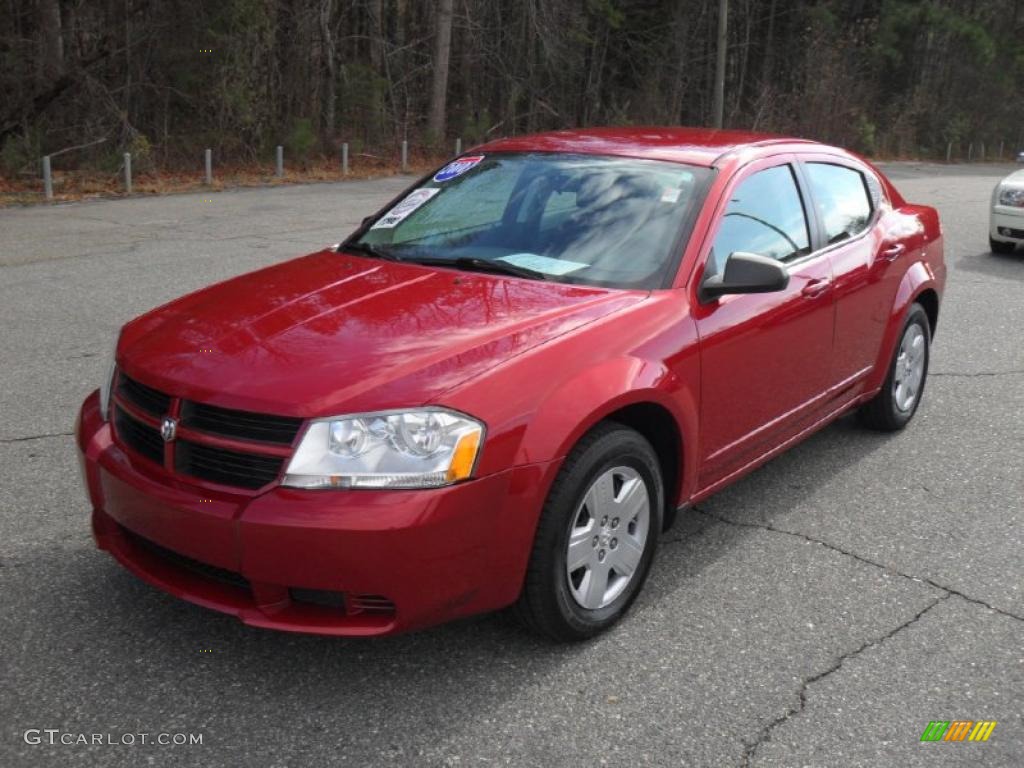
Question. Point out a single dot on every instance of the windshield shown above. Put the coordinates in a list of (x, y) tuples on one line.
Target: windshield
[(586, 219)]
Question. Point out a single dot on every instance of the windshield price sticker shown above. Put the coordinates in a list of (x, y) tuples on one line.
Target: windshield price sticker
[(398, 214), (457, 167), (544, 264), (671, 195)]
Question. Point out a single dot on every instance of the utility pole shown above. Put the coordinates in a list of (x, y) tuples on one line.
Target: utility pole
[(723, 19)]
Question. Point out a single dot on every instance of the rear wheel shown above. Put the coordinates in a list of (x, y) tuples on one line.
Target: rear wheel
[(895, 404), (596, 537), (998, 246)]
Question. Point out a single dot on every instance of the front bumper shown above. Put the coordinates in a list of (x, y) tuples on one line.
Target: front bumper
[(355, 562), (1006, 224)]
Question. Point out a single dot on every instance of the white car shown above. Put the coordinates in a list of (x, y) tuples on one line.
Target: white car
[(1006, 219)]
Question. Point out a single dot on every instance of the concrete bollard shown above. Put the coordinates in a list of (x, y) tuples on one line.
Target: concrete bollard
[(344, 159), (405, 156), (128, 173), (209, 167), (280, 161), (47, 178)]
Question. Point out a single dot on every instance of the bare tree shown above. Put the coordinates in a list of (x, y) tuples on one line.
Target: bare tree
[(51, 41), (245, 75), (330, 70), (439, 85), (374, 12)]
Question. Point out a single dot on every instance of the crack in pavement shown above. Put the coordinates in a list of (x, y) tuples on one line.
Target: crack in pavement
[(682, 537), (118, 248), (5, 440), (921, 579), (765, 734), (1001, 282), (956, 375)]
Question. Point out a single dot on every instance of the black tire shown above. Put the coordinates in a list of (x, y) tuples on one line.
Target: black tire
[(998, 246), (546, 604), (881, 412)]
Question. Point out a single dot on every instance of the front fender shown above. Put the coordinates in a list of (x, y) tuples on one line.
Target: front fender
[(583, 401), (535, 442), (918, 278), (538, 405)]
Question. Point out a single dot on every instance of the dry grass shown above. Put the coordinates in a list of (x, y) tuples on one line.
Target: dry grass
[(87, 185)]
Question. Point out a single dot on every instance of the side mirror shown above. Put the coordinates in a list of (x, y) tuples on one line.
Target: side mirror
[(746, 273)]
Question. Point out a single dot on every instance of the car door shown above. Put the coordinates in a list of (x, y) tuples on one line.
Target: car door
[(865, 245), (765, 357)]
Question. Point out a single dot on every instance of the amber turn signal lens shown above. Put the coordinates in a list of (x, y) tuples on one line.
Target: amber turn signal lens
[(464, 457)]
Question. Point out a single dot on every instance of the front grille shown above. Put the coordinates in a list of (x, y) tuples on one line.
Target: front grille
[(239, 424), (219, 465), (145, 398), (245, 465), (212, 572), (141, 438)]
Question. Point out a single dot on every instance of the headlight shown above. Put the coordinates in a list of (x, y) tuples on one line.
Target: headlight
[(1013, 196), (417, 448), (108, 380)]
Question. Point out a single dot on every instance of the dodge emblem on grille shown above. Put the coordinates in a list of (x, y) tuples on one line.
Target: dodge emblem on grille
[(168, 429)]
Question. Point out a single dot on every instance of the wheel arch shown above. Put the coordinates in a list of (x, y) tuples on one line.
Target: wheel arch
[(640, 394), (919, 285), (929, 299), (659, 427)]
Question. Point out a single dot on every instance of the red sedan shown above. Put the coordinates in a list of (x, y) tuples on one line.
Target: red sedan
[(502, 387)]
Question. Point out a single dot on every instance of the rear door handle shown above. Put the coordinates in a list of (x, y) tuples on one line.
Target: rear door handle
[(893, 252), (815, 287)]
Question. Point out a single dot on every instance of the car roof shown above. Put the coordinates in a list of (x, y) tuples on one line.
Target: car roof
[(695, 146)]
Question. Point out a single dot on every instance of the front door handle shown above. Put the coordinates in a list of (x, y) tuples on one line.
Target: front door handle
[(815, 287), (893, 252)]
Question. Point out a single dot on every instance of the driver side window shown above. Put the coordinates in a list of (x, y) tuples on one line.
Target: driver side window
[(766, 216)]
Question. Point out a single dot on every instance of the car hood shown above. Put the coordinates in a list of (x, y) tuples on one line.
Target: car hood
[(333, 333), (1015, 179)]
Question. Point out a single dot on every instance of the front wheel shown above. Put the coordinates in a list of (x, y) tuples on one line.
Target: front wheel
[(895, 404), (596, 537)]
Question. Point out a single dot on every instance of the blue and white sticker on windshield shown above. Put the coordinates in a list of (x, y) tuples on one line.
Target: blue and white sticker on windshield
[(457, 167)]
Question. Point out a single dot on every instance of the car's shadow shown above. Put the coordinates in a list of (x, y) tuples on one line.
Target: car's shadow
[(1007, 266)]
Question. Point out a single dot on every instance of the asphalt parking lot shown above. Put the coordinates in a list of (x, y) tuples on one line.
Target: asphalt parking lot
[(818, 613)]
